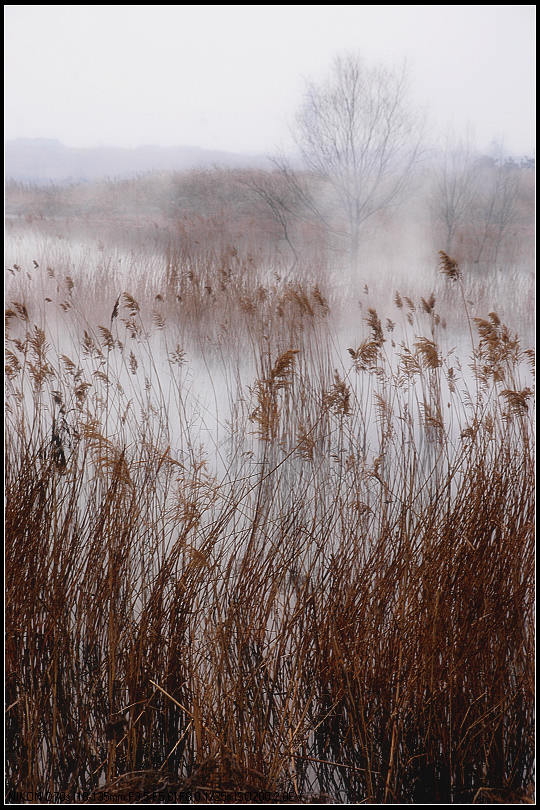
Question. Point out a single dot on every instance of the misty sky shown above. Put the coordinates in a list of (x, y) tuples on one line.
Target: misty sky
[(231, 77)]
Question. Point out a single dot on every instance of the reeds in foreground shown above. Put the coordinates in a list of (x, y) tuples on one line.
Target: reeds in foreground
[(340, 609)]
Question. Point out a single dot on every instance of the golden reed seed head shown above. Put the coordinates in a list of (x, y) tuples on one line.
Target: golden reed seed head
[(449, 266)]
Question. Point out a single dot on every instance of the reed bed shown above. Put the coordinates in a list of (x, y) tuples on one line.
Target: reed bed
[(327, 597)]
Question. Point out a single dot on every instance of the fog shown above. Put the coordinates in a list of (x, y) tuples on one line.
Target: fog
[(231, 77), (269, 424)]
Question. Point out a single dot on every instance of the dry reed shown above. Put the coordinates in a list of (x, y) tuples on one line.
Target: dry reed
[(340, 610)]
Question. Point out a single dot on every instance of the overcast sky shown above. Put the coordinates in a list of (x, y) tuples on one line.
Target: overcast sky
[(231, 77)]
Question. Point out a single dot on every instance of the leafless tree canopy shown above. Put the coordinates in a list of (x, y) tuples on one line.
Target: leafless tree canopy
[(357, 132), (455, 188), (475, 199)]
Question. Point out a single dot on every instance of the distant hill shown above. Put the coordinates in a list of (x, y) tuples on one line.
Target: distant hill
[(43, 160)]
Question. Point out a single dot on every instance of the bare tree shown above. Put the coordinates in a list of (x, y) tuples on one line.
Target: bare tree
[(357, 135), (496, 204), (506, 210), (454, 190), (279, 196)]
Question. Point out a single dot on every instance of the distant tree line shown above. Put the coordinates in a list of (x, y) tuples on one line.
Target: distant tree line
[(361, 166)]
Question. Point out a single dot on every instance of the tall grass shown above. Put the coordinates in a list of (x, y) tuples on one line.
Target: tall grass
[(329, 596)]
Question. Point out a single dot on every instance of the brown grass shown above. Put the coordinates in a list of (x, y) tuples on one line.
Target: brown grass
[(338, 606)]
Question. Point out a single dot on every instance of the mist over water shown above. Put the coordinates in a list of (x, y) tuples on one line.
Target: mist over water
[(269, 464), (218, 368)]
